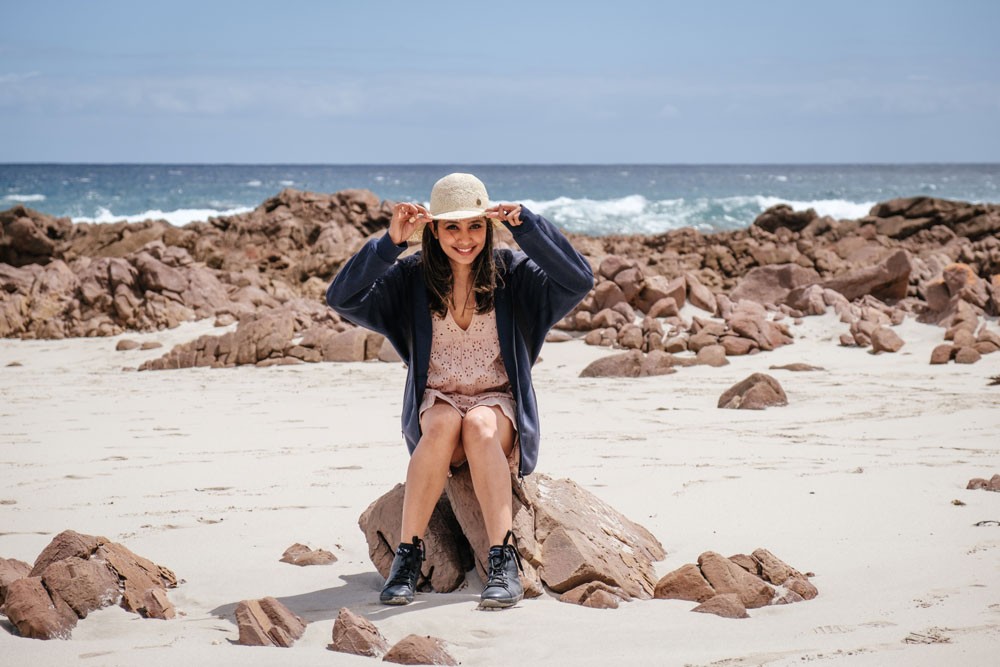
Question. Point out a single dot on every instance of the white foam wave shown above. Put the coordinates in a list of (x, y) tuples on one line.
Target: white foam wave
[(254, 183), (24, 198), (635, 214), (177, 218)]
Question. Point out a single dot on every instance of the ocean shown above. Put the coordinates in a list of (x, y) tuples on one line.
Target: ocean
[(588, 199)]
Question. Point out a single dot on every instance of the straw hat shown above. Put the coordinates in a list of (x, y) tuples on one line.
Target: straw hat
[(457, 197)]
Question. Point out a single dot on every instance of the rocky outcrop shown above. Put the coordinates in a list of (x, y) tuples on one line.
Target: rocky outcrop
[(267, 622), (729, 586), (567, 538), (757, 392), (77, 574)]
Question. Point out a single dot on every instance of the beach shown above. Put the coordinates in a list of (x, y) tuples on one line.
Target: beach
[(213, 473)]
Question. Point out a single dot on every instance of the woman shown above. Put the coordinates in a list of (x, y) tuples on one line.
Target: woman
[(469, 321)]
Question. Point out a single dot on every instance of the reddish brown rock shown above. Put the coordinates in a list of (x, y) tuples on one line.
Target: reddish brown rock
[(727, 605), (772, 568), (595, 594), (34, 613), (66, 544), (267, 622), (757, 392), (300, 554), (11, 570), (84, 585), (138, 576), (942, 354), (684, 583), (712, 355), (665, 307), (992, 484), (967, 355), (445, 567), (784, 216), (885, 340), (771, 284), (417, 650), (125, 344), (631, 364), (353, 633), (802, 587), (699, 295), (737, 345), (727, 577), (797, 367)]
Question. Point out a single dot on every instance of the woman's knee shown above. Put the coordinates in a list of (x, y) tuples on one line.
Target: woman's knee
[(479, 427), (441, 426)]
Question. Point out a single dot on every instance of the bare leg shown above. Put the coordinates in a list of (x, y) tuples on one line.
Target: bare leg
[(487, 439), (428, 470)]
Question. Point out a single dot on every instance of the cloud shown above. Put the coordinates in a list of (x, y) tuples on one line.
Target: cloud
[(16, 77)]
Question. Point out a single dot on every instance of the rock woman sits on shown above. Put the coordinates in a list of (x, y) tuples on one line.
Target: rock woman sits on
[(470, 321)]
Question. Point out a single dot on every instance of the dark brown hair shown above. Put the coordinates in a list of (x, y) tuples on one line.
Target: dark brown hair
[(441, 282)]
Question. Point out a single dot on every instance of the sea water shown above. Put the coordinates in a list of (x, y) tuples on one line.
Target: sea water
[(588, 199)]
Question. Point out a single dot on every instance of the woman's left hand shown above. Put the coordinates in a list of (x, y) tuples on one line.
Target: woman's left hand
[(509, 213)]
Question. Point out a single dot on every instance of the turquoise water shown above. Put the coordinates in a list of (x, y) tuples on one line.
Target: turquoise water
[(590, 199)]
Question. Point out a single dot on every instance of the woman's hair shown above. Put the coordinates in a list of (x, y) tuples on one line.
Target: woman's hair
[(440, 281)]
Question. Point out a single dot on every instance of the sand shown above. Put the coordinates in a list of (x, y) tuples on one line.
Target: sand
[(213, 473)]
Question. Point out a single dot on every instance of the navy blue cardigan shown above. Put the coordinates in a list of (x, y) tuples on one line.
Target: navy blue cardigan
[(535, 289)]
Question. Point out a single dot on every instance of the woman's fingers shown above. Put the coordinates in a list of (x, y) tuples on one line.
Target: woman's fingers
[(509, 213)]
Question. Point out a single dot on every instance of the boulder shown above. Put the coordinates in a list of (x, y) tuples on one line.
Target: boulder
[(727, 605), (756, 392), (300, 554), (684, 583), (631, 364), (712, 355), (885, 340), (267, 622), (446, 549), (11, 570), (967, 355), (784, 216), (942, 354), (595, 594), (992, 484), (84, 585), (34, 613), (727, 577), (417, 650), (699, 295), (355, 634), (771, 284)]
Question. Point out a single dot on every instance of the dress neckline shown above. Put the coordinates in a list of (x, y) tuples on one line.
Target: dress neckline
[(455, 322)]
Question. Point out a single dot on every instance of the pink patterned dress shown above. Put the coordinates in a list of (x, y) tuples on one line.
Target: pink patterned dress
[(466, 369)]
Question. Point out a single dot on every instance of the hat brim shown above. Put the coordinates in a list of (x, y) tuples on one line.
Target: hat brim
[(459, 215)]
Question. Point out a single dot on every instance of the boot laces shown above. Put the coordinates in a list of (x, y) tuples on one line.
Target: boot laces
[(496, 576)]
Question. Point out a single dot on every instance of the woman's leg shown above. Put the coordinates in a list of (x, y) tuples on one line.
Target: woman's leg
[(487, 440), (427, 473)]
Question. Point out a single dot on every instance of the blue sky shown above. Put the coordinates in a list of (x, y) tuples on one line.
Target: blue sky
[(499, 82)]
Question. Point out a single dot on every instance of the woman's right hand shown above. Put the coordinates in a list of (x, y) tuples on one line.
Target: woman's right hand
[(406, 218)]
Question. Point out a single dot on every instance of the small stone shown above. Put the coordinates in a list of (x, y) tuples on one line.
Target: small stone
[(125, 344), (151, 345), (300, 554), (353, 633)]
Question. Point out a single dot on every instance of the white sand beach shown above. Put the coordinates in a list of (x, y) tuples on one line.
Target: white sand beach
[(213, 473)]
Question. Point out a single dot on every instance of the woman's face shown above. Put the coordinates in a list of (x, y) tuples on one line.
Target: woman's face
[(461, 240)]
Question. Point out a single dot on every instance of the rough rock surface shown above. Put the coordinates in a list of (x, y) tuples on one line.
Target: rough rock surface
[(353, 633), (300, 554), (991, 484), (727, 605), (566, 536), (684, 583), (267, 622), (76, 574), (417, 650), (11, 570), (756, 392)]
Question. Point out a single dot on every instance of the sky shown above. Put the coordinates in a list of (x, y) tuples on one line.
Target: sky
[(542, 82)]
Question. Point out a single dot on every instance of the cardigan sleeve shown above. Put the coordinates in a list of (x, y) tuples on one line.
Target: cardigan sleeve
[(555, 277), (370, 288)]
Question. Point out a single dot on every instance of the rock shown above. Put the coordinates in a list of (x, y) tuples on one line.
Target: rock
[(151, 345), (125, 344), (772, 568), (727, 605), (447, 552), (11, 570), (684, 583), (66, 544), (699, 295), (756, 392), (582, 539), (267, 622), (784, 216), (34, 613), (967, 355), (353, 633), (712, 355), (631, 364), (797, 367), (612, 265), (993, 484), (417, 650), (737, 345), (138, 576), (553, 336), (665, 307), (84, 585), (727, 577), (594, 594), (942, 354), (607, 295), (771, 284), (802, 587), (300, 554), (885, 340)]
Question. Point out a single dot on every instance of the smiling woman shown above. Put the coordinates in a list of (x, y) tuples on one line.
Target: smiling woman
[(470, 321)]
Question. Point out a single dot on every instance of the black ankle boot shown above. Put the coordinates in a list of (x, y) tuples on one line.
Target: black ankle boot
[(402, 581), (503, 586)]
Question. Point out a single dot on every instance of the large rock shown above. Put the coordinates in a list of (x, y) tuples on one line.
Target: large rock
[(84, 585), (784, 216), (11, 570), (726, 576), (684, 583), (885, 339), (353, 633), (446, 549), (36, 614), (771, 284), (888, 280), (756, 392), (418, 650), (727, 605), (267, 622), (631, 364)]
